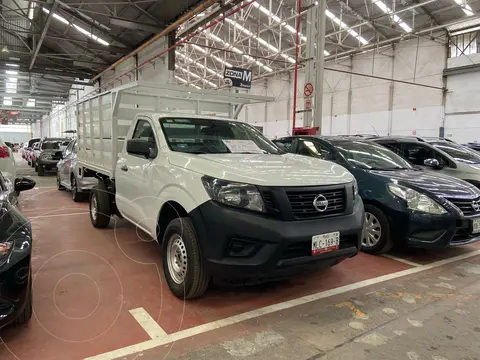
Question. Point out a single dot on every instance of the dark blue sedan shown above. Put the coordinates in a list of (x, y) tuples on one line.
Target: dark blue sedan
[(403, 205)]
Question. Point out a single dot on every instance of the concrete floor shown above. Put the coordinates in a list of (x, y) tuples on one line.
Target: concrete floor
[(100, 294)]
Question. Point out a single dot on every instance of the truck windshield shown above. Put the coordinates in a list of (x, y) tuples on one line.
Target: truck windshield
[(364, 155), (208, 136)]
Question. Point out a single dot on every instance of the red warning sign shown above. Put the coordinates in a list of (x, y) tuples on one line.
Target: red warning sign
[(308, 89), (308, 105)]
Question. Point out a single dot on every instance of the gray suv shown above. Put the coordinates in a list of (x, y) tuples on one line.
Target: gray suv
[(437, 155), (50, 154)]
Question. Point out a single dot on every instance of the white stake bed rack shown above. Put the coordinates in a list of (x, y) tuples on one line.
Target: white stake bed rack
[(103, 120)]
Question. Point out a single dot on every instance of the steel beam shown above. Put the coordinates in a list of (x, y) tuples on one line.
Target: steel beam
[(319, 65), (135, 25), (77, 14), (44, 32)]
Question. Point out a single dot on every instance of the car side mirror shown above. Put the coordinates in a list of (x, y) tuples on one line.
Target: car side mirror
[(433, 163), (140, 147), (23, 183)]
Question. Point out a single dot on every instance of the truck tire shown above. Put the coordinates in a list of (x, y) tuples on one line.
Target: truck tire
[(183, 264), (377, 225), (99, 206)]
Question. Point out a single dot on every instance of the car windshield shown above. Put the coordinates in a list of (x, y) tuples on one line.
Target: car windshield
[(208, 136), (51, 145), (371, 156), (458, 152)]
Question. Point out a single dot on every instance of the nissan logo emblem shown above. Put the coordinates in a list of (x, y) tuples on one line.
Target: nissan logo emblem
[(476, 205), (320, 203)]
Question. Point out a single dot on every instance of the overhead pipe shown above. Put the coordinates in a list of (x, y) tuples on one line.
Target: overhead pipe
[(295, 71), (199, 9)]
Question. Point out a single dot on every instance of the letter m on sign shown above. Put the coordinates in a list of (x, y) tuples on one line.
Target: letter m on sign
[(247, 76)]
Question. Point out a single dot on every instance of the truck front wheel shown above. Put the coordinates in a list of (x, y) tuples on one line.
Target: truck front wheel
[(183, 265), (99, 205)]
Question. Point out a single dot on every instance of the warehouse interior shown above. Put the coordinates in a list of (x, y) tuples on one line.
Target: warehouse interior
[(83, 74)]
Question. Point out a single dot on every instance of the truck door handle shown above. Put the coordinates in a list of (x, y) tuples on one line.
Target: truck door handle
[(124, 168)]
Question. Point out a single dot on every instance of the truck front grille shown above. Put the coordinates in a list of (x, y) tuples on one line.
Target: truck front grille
[(301, 202)]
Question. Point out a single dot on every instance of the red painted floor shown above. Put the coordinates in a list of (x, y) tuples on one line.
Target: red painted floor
[(86, 280)]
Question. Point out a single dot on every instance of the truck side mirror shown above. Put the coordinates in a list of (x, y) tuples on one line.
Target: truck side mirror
[(139, 147)]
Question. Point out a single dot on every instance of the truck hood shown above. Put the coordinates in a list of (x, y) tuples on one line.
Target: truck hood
[(438, 184), (265, 169)]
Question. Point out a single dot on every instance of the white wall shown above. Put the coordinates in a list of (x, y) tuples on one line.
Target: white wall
[(370, 107)]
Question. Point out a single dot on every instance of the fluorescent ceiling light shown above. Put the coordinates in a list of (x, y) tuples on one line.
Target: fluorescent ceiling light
[(11, 72), (31, 10), (13, 65), (12, 80), (188, 59), (238, 51), (286, 26), (467, 9), (185, 82), (31, 103), (202, 50), (394, 17), (11, 91), (7, 102), (196, 76), (78, 28), (342, 25)]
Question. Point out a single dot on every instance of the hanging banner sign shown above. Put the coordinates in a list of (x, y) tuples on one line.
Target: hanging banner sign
[(238, 77)]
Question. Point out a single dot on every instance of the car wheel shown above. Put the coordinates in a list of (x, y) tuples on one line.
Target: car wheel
[(76, 195), (99, 205), (26, 314), (183, 264), (376, 231), (40, 169), (59, 183)]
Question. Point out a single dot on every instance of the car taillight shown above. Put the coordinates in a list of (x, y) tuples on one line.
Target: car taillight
[(4, 152)]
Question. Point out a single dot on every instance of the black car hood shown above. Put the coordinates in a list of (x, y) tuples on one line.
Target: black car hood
[(435, 183)]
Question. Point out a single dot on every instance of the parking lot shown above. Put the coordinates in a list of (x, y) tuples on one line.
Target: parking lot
[(100, 294)]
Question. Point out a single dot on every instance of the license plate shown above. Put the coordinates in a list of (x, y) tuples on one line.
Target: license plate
[(475, 226), (328, 242)]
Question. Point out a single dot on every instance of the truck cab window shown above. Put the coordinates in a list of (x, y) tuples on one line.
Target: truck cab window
[(144, 131)]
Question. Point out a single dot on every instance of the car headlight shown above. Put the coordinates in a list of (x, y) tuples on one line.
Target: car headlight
[(415, 200), (355, 189), (46, 156), (244, 196)]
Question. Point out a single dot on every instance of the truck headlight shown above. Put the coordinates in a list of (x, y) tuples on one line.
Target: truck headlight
[(47, 156), (415, 200), (244, 196)]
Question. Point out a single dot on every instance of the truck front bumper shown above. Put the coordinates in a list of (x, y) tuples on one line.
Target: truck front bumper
[(245, 247)]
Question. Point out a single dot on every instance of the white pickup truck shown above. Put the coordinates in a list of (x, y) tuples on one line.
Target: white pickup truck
[(222, 200)]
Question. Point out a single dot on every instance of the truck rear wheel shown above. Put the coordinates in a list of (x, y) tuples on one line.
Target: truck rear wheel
[(99, 205), (183, 264)]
